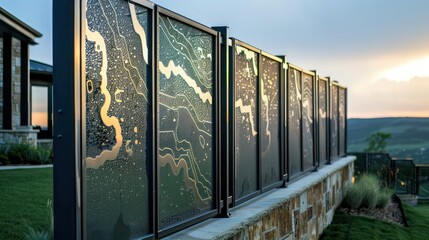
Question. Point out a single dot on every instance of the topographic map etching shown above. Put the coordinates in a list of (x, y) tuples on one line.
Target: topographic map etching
[(334, 123), (117, 120), (323, 121), (294, 119), (246, 128), (270, 119), (307, 119), (186, 128)]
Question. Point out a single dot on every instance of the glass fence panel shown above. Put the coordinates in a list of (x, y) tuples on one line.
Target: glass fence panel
[(246, 74), (294, 119), (424, 183), (307, 121), (342, 121), (323, 121), (270, 124), (186, 122), (405, 179), (334, 123), (118, 115)]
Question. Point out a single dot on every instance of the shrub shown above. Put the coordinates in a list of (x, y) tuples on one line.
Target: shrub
[(384, 197), (368, 193), (354, 196), (17, 152), (44, 154), (372, 188), (31, 156), (4, 159), (25, 153), (4, 149)]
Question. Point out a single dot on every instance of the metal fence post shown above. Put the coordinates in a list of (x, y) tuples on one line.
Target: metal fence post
[(67, 70)]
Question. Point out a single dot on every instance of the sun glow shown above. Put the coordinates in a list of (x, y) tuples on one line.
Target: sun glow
[(407, 71)]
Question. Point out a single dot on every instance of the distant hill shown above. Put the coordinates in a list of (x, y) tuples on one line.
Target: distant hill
[(410, 136)]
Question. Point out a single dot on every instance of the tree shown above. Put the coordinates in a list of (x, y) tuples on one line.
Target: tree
[(377, 143)]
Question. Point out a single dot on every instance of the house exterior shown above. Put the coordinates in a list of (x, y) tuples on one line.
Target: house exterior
[(15, 39), (41, 100)]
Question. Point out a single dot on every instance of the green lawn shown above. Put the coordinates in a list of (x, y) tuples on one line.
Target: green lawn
[(24, 195), (353, 227)]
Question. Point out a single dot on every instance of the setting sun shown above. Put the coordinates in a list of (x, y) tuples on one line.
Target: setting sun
[(407, 71)]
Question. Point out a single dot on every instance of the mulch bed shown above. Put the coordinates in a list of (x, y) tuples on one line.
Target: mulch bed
[(391, 213)]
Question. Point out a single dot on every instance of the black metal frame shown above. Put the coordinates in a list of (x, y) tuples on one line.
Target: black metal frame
[(325, 81), (314, 138), (339, 134), (67, 73), (334, 156), (152, 161), (280, 128), (216, 115), (260, 188), (236, 201), (303, 171), (69, 111)]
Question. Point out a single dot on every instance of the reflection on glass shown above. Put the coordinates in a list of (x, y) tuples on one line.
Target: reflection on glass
[(118, 117), (334, 123), (323, 121), (246, 123), (294, 119), (342, 121), (307, 121), (270, 119), (39, 106), (424, 183), (186, 122)]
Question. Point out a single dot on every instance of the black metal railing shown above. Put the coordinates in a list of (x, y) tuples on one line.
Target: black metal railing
[(173, 122)]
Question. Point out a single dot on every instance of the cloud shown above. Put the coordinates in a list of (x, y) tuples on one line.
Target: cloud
[(387, 98)]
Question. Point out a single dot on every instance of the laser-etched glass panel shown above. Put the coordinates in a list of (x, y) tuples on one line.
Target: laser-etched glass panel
[(186, 122), (307, 121), (270, 120), (117, 122), (334, 123), (246, 123), (294, 119), (342, 121), (323, 121)]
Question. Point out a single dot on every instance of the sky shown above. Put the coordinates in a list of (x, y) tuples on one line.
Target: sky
[(379, 49)]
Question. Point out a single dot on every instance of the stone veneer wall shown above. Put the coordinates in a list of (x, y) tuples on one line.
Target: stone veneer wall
[(16, 83), (18, 136), (300, 211)]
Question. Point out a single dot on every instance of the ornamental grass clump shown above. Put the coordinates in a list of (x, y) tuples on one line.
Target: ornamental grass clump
[(384, 197), (372, 188), (354, 197), (367, 193)]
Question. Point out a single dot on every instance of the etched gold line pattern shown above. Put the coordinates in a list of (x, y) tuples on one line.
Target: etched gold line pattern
[(194, 161), (188, 57), (267, 110), (144, 91), (140, 31), (162, 101), (118, 94), (189, 151), (171, 68), (100, 46), (248, 110), (250, 55), (128, 149), (181, 164)]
